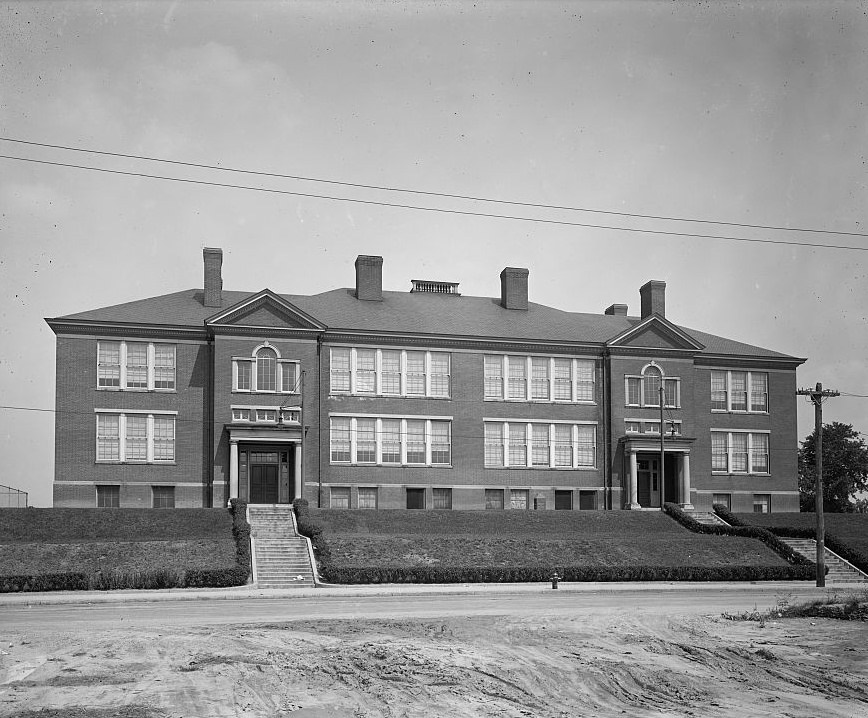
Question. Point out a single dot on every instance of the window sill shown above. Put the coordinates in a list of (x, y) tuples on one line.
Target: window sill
[(136, 390), (248, 392), (547, 402), (739, 412), (390, 466), (737, 474), (542, 468), (357, 395), (135, 463)]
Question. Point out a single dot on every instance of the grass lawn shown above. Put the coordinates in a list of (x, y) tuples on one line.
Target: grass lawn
[(402, 538), (852, 529), (42, 541)]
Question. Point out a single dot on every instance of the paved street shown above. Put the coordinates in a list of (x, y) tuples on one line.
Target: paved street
[(221, 608)]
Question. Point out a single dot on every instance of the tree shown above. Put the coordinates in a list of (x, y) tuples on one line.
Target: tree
[(845, 469)]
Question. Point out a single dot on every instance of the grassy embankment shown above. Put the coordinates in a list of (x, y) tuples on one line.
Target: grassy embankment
[(115, 548), (432, 546), (846, 534)]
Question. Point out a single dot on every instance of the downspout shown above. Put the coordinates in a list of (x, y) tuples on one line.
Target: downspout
[(319, 430), (302, 446), (209, 418), (607, 428)]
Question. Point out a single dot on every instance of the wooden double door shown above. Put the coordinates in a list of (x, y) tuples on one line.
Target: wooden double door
[(267, 474), (651, 492)]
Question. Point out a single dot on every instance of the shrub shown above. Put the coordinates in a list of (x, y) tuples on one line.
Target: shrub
[(310, 528), (518, 574), (44, 582)]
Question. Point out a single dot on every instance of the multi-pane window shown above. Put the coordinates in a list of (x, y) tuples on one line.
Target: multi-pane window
[(163, 497), (367, 497), (442, 498), (541, 379), (518, 498), (340, 439), (740, 452), (651, 426), (441, 443), (108, 497), (339, 497), (143, 366), (139, 437), (494, 499), (547, 379), (266, 414), (644, 390), (762, 503), (415, 441), (366, 441), (722, 500), (265, 372), (390, 440), (390, 372), (493, 369), (540, 445), (494, 444), (746, 391), (137, 365)]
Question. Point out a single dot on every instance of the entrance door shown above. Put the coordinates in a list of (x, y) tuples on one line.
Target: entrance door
[(263, 484), (648, 481)]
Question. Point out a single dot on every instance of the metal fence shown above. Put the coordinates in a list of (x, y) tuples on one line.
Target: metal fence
[(12, 498)]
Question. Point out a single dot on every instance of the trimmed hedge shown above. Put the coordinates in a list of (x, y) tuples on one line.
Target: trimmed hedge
[(235, 575), (308, 527), (484, 574), (834, 543), (767, 537)]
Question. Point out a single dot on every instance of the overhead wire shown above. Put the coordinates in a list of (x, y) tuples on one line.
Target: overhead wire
[(427, 193), (440, 210)]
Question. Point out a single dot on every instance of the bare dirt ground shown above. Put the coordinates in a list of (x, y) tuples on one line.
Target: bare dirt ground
[(583, 664)]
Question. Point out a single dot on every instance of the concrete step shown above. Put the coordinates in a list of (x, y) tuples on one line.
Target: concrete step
[(838, 570)]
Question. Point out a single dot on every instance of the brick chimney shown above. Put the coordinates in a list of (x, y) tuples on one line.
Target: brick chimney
[(653, 296), (369, 278), (213, 276), (513, 288), (616, 310)]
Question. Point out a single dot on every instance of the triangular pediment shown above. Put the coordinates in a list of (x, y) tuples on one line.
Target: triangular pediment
[(265, 309), (656, 332)]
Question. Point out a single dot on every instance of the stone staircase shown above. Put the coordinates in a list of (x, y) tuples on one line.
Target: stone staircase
[(707, 517), (839, 570), (280, 556)]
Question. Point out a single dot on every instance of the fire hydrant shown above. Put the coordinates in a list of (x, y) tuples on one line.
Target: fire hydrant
[(555, 578)]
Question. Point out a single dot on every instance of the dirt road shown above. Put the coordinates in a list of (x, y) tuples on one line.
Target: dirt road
[(636, 654)]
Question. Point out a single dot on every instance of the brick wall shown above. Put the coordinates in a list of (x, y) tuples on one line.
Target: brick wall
[(75, 427)]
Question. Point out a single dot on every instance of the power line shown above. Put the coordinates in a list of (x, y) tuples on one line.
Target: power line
[(446, 195), (858, 396), (440, 210)]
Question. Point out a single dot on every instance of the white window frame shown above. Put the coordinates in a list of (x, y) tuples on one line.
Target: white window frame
[(641, 379), (751, 433), (279, 369), (749, 388), (151, 366), (575, 445), (150, 437), (506, 360), (285, 414), (644, 426), (378, 373), (378, 437)]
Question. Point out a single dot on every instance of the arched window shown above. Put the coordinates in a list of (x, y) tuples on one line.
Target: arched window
[(644, 389), (651, 378), (266, 369)]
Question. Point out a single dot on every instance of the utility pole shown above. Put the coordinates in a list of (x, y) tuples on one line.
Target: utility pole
[(662, 471), (817, 395)]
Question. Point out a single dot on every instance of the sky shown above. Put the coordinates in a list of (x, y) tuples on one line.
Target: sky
[(743, 113)]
